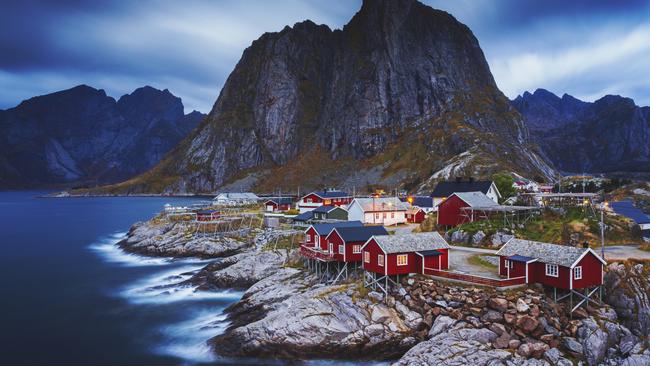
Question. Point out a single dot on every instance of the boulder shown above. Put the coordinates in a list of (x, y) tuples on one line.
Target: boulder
[(478, 238), (498, 304), (527, 323), (521, 306)]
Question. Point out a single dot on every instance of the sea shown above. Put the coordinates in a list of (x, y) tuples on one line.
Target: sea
[(69, 296)]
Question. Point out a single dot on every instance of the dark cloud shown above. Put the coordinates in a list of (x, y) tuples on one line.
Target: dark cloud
[(190, 47)]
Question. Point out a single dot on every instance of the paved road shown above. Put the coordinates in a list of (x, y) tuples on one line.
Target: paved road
[(458, 262), (624, 252)]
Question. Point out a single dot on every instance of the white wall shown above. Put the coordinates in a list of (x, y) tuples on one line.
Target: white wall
[(355, 213)]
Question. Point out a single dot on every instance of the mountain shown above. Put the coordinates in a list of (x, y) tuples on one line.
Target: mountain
[(401, 96), (81, 136), (607, 136)]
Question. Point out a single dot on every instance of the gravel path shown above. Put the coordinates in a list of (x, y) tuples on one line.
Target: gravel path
[(458, 262), (624, 252)]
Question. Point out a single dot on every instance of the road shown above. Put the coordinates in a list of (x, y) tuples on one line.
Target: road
[(619, 252)]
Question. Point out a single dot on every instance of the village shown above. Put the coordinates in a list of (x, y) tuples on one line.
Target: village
[(383, 238)]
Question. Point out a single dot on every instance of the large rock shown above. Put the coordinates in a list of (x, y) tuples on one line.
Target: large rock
[(628, 291)]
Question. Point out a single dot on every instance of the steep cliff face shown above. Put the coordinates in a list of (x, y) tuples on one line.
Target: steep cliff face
[(82, 136), (609, 135), (401, 89)]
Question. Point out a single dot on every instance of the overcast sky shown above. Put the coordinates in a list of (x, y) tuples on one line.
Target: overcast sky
[(587, 49)]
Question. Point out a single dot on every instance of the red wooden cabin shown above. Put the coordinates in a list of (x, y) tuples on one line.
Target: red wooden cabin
[(327, 197), (345, 242), (316, 234), (207, 215), (415, 215), (560, 266), (392, 255), (276, 204), (449, 210)]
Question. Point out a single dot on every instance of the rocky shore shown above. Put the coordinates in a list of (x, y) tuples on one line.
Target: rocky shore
[(285, 314)]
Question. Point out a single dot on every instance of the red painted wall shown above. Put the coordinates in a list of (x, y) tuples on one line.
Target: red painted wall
[(518, 268), (538, 270), (449, 211), (327, 201), (374, 251), (311, 236), (591, 272), (349, 255), (414, 264)]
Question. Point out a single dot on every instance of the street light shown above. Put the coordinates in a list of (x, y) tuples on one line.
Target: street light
[(603, 206)]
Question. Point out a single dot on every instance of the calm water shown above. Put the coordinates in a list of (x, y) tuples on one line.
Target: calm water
[(69, 297)]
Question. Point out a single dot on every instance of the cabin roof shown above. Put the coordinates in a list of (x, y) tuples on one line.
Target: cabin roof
[(359, 233), (329, 194), (422, 201), (520, 258), (305, 216), (238, 195), (562, 255), (325, 208), (475, 199), (381, 204), (324, 229), (405, 243), (446, 189), (280, 200), (207, 212)]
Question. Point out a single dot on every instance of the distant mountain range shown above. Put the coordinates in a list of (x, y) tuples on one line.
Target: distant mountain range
[(610, 135), (83, 137), (401, 96)]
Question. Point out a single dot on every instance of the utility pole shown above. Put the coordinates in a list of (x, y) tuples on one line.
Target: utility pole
[(602, 229)]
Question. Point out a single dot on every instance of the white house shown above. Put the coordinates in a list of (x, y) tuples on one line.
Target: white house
[(378, 211), (235, 198)]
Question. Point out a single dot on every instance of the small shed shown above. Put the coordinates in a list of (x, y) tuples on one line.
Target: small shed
[(276, 204), (415, 215)]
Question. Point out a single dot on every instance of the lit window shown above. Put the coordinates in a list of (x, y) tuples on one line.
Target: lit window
[(380, 260), (551, 270), (341, 249), (366, 257), (402, 259), (356, 249), (577, 273)]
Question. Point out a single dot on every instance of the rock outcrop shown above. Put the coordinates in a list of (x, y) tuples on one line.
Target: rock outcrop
[(607, 136), (399, 74), (628, 291), (81, 136)]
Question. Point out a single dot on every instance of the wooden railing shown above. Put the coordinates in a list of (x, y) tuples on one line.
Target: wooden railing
[(315, 253), (479, 280)]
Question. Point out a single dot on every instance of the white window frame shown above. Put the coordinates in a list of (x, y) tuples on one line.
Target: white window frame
[(377, 215), (366, 257), (406, 259), (356, 249), (308, 200), (552, 270), (341, 249), (331, 248), (509, 264), (380, 260), (392, 215), (577, 273)]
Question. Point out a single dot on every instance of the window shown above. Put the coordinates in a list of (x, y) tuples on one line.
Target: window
[(331, 248), (341, 249), (380, 260), (366, 257), (384, 215), (377, 215), (577, 273), (402, 259), (392, 215), (551, 270), (509, 264), (307, 200), (356, 249)]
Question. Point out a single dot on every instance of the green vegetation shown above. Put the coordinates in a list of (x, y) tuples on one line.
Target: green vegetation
[(429, 223), (477, 260), (293, 211), (553, 227), (504, 182)]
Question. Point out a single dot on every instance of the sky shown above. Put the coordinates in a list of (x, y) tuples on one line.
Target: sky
[(586, 48)]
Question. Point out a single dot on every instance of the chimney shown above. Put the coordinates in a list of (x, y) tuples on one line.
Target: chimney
[(585, 244), (471, 179), (459, 179)]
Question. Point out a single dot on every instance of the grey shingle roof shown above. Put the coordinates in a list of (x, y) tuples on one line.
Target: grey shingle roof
[(381, 204), (562, 255), (476, 199), (404, 243)]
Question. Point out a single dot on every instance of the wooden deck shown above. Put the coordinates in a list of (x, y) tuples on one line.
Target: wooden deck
[(316, 253), (479, 280)]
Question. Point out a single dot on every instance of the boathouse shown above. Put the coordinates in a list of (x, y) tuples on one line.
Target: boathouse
[(326, 197), (450, 211), (316, 234), (276, 204)]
